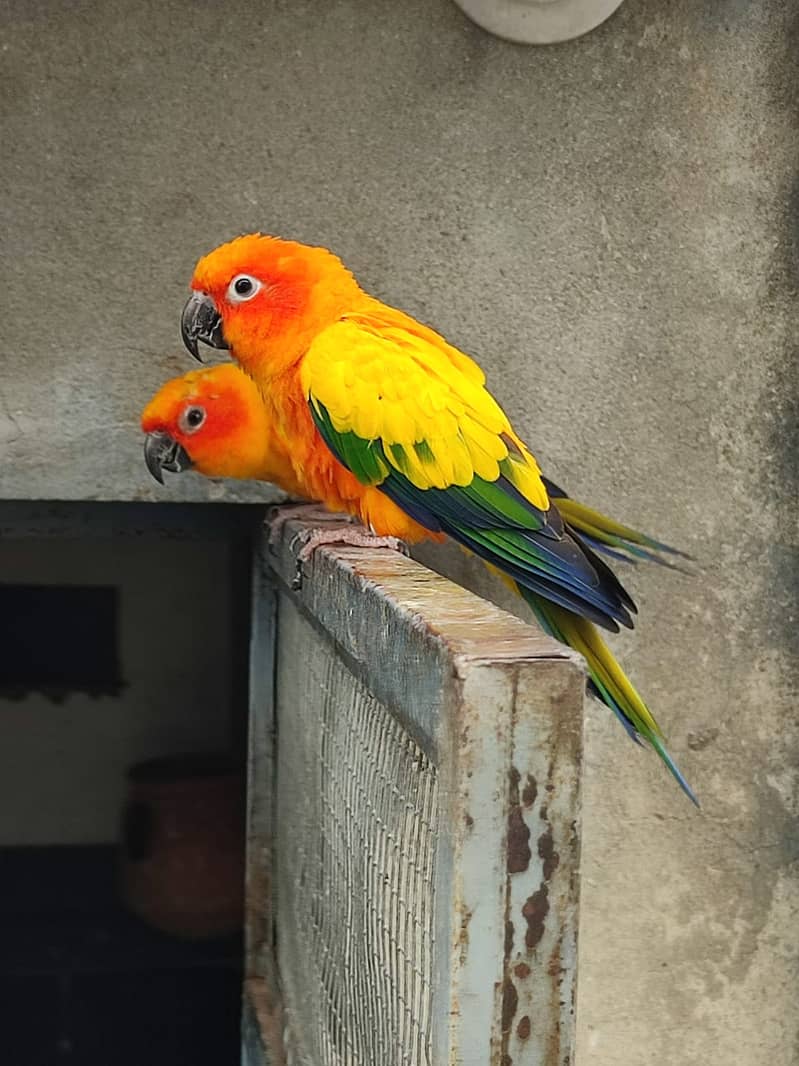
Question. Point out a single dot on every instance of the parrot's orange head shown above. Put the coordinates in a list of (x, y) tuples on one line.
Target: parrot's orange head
[(212, 420), (265, 299)]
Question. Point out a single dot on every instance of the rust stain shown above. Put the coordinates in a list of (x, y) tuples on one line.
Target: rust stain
[(519, 853), (463, 933), (523, 1028), (260, 1001), (546, 851), (466, 917), (508, 938), (530, 791), (510, 1001), (554, 966), (554, 1050), (257, 915), (553, 1056), (534, 912), (518, 841), (522, 970), (506, 1060)]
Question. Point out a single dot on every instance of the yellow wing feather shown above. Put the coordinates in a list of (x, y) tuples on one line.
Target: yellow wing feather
[(383, 376)]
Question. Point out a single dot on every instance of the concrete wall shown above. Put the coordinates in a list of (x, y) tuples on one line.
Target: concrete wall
[(609, 225)]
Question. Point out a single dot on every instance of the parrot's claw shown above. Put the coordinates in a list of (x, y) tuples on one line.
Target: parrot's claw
[(354, 536), (313, 513)]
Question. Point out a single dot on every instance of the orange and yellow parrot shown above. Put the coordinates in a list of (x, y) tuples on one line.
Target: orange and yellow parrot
[(214, 421), (382, 418)]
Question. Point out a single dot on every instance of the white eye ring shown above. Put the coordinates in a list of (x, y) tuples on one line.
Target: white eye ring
[(191, 419), (242, 288)]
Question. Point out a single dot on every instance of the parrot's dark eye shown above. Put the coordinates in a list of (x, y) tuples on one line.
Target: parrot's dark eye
[(191, 419), (242, 287)]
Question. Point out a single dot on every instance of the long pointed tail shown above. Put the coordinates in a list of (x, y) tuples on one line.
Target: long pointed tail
[(608, 681), (611, 537)]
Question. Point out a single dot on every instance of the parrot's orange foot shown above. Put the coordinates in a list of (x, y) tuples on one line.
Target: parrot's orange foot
[(313, 513), (354, 536)]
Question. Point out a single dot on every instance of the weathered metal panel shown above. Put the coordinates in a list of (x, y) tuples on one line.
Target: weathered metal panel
[(426, 813), (473, 842), (357, 806), (259, 956), (542, 863)]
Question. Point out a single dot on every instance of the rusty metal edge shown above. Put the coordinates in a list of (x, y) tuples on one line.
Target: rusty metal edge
[(262, 1025)]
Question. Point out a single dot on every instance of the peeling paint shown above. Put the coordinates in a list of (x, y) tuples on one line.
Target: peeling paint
[(547, 853), (509, 933), (510, 1001), (554, 966), (463, 935), (518, 842), (534, 912), (530, 791)]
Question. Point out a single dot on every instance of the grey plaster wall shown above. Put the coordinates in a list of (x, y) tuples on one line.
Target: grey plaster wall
[(609, 226)]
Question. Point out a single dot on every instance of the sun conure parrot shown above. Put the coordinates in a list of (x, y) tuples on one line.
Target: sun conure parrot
[(214, 421), (384, 419)]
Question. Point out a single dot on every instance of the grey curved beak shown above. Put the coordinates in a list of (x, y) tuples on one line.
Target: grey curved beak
[(201, 321), (162, 452)]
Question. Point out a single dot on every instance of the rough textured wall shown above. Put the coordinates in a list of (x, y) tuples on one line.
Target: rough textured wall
[(609, 226)]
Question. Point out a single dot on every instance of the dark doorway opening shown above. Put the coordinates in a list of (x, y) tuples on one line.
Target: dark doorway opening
[(126, 633)]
